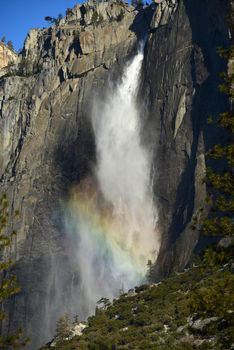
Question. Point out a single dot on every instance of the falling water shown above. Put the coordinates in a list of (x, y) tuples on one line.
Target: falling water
[(111, 214)]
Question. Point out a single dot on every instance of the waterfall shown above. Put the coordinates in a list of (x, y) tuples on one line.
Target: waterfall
[(111, 214)]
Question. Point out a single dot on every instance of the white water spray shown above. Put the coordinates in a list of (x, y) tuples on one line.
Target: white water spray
[(114, 219)]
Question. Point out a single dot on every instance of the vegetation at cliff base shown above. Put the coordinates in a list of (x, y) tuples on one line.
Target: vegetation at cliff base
[(8, 283), (190, 310), (220, 177)]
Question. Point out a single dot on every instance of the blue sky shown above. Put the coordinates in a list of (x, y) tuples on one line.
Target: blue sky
[(17, 17)]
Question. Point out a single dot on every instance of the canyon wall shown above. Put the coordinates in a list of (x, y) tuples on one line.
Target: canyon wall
[(180, 90), (47, 141)]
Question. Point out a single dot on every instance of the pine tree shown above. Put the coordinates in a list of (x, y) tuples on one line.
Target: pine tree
[(53, 20), (8, 284), (149, 271), (220, 181), (10, 45), (63, 329)]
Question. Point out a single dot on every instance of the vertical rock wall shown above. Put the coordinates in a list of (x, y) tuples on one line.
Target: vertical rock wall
[(47, 144), (180, 90)]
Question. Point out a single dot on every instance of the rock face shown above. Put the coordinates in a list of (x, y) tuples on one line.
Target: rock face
[(47, 143), (6, 56), (179, 88)]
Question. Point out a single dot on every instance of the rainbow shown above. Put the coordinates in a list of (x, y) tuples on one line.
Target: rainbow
[(106, 237)]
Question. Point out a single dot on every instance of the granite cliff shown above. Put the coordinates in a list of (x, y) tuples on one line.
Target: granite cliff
[(180, 87), (47, 142)]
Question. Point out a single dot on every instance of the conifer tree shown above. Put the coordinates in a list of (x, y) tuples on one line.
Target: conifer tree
[(149, 271), (220, 181), (10, 45), (8, 283), (63, 329)]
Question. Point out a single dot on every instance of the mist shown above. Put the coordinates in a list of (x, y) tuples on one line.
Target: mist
[(111, 218)]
